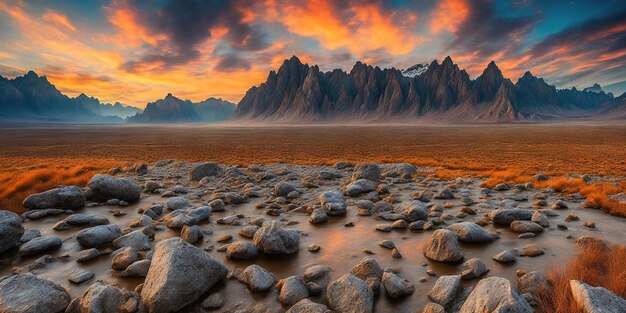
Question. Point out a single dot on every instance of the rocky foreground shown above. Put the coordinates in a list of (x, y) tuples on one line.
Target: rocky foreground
[(183, 237)]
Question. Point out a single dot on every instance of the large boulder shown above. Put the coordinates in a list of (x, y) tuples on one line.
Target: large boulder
[(470, 232), (445, 290), (307, 306), (242, 250), (396, 286), (360, 186), (402, 170), (282, 189), (333, 202), (40, 244), (103, 298), (64, 197), (533, 284), (136, 239), (293, 290), (271, 239), (443, 246), (596, 299), (179, 274), (350, 294), (11, 230), (257, 278), (98, 235), (106, 187), (366, 171), (413, 211), (203, 170), (495, 294), (508, 216), (26, 293)]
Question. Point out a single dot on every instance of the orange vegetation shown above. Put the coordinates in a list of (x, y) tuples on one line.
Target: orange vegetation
[(596, 265)]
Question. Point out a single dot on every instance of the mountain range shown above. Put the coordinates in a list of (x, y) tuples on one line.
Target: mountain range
[(174, 110), (440, 92)]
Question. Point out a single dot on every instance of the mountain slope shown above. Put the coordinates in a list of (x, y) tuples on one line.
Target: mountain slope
[(442, 92), (174, 110), (106, 109)]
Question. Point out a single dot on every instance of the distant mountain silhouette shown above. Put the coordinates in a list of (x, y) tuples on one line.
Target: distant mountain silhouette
[(441, 92), (174, 110), (106, 109), (32, 98)]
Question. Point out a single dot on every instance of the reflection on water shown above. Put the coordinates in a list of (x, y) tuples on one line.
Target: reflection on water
[(341, 248)]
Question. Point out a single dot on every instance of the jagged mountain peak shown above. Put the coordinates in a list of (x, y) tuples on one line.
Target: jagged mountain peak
[(594, 88)]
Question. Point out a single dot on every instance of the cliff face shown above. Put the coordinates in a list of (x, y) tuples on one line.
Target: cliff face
[(299, 92)]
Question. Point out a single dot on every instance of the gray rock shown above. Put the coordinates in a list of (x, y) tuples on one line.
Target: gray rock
[(179, 274), (282, 189), (367, 268), (417, 225), (86, 255), (470, 232), (203, 170), (64, 197), (248, 231), (272, 240), (540, 219), (445, 290), (445, 194), (218, 205), (413, 211), (142, 221), (443, 246), (242, 250), (200, 213), (98, 235), (40, 244), (366, 171), (233, 198), (292, 291), (318, 216), (526, 227), (107, 187), (507, 216), (257, 278), (26, 293), (308, 306), (178, 203), (333, 202), (403, 170), (191, 234), (360, 186), (596, 299), (30, 234), (506, 256), (79, 276), (85, 219), (137, 269), (177, 219), (136, 239), (350, 294), (214, 301), (11, 230), (124, 257), (475, 268), (103, 298), (495, 294), (396, 286), (533, 284)]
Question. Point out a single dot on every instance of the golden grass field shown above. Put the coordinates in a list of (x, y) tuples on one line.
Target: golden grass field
[(37, 159)]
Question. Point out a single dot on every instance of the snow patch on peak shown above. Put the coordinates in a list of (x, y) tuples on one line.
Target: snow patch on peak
[(415, 70)]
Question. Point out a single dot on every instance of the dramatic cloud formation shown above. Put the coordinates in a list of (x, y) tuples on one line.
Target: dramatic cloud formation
[(135, 51)]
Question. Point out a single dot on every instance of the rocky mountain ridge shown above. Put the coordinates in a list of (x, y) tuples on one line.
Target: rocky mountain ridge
[(175, 110)]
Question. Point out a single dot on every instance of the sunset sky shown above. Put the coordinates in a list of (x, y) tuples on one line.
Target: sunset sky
[(138, 51)]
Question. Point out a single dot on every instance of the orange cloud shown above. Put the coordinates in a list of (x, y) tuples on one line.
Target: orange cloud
[(59, 19), (130, 32), (448, 15)]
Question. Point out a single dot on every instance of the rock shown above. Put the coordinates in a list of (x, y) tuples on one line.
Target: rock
[(79, 276), (559, 205), (29, 234), (417, 225), (596, 299), (350, 294), (203, 170), (100, 297), (191, 234), (40, 244), (106, 187), (571, 218), (64, 197), (26, 293), (282, 189), (11, 230), (367, 268), (86, 219), (234, 198), (443, 246), (470, 232), (507, 216), (360, 186), (151, 186), (432, 307), (413, 211), (366, 171), (142, 221), (395, 253), (445, 193), (137, 269), (506, 256), (214, 301), (396, 286), (388, 244), (475, 268), (399, 224), (242, 250), (313, 248), (445, 290), (292, 290), (124, 257), (178, 203), (540, 177), (318, 216), (526, 227), (533, 284), (308, 306), (135, 239), (403, 170), (217, 205), (495, 294), (272, 240), (180, 273), (502, 187), (257, 278), (531, 251), (86, 255), (589, 224), (384, 228), (224, 238), (540, 219), (98, 235), (248, 231)]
